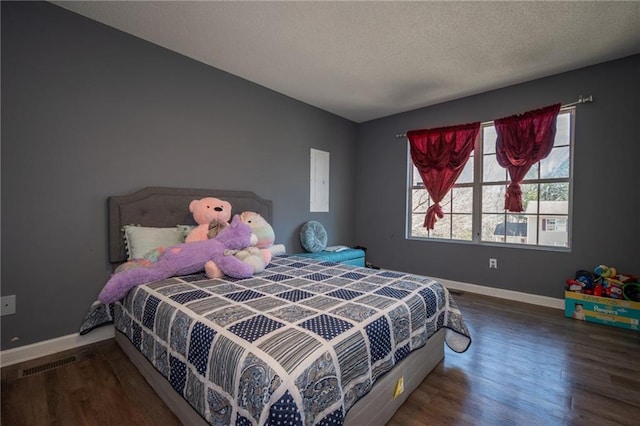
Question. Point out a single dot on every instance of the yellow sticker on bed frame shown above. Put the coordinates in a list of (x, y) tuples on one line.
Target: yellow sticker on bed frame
[(399, 387)]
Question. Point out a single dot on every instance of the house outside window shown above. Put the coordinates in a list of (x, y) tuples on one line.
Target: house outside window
[(474, 208)]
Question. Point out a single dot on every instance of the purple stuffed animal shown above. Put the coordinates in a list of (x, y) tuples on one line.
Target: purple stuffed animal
[(186, 258)]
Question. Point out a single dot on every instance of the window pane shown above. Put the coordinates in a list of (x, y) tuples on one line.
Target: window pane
[(553, 198), (522, 229), (563, 129), (461, 227), (533, 172), (416, 180), (467, 173), (554, 207), (419, 201), (491, 231), (556, 165), (446, 203), (553, 231), (489, 137), (442, 228), (561, 224), (417, 228), (558, 191), (493, 198), (462, 200), (491, 170), (530, 197)]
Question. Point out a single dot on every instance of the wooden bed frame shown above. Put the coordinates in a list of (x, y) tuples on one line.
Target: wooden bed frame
[(375, 408), (166, 207)]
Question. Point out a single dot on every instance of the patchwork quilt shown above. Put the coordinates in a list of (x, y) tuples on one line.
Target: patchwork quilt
[(297, 344)]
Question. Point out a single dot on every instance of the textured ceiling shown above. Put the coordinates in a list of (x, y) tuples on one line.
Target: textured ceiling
[(365, 60)]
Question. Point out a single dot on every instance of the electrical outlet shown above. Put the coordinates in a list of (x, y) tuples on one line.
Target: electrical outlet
[(7, 305), (493, 263)]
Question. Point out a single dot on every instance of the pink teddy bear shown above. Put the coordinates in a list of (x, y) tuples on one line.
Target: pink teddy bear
[(205, 211)]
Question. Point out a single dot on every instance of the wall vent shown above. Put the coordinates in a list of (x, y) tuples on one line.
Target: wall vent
[(47, 366)]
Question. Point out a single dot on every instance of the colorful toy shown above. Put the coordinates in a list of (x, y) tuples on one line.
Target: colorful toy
[(574, 285), (597, 290), (604, 271), (612, 288), (608, 278), (586, 278), (205, 211), (605, 282), (631, 291), (186, 258), (625, 279)]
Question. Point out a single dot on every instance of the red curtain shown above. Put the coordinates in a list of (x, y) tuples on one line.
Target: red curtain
[(523, 140), (440, 156)]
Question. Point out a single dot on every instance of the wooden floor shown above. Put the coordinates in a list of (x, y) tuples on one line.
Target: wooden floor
[(527, 365)]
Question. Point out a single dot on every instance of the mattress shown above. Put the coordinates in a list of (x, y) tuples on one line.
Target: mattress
[(300, 343)]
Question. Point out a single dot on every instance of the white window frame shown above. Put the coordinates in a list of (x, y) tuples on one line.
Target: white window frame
[(477, 184)]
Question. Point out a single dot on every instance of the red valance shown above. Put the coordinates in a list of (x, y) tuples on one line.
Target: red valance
[(440, 156), (522, 141)]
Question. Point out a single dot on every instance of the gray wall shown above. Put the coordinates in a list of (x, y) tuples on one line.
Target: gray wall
[(606, 220), (88, 112)]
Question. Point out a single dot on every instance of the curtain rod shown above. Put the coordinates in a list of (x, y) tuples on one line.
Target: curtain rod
[(581, 100)]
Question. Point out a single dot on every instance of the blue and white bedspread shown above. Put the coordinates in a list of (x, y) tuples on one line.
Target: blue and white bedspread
[(297, 344)]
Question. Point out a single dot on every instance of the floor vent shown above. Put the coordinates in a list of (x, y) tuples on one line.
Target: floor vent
[(48, 366)]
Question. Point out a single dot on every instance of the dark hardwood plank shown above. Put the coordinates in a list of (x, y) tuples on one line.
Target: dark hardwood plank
[(527, 365), (102, 388)]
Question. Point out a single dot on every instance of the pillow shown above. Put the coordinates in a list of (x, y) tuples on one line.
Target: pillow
[(140, 240), (313, 236), (277, 250)]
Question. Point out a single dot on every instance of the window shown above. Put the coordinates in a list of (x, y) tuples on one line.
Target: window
[(554, 225), (474, 208)]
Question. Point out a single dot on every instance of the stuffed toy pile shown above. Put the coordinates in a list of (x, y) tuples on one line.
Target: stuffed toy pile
[(187, 258), (239, 250)]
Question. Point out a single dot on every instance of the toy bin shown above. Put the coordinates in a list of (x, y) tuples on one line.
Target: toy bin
[(602, 310)]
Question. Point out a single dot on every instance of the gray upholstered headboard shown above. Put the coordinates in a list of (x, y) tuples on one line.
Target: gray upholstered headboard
[(167, 207)]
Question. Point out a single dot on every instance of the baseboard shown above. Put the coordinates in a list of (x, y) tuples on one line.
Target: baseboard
[(52, 346), (533, 299)]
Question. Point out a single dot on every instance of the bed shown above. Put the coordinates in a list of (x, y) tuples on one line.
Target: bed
[(304, 342)]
